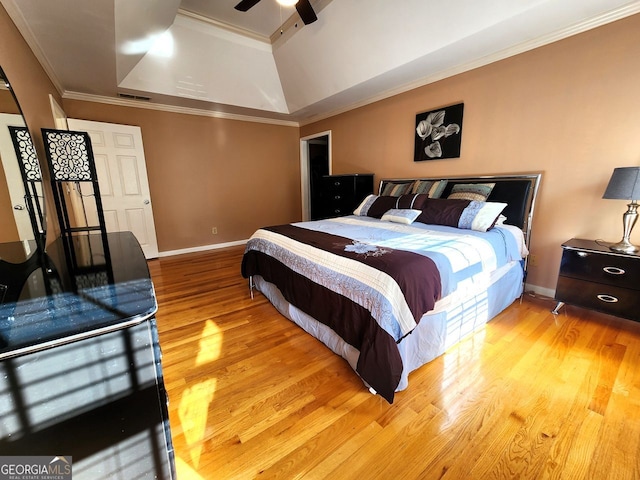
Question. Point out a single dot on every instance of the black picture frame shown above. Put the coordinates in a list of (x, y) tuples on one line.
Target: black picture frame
[(438, 133)]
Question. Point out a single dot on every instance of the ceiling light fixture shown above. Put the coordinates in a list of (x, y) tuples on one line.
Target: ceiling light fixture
[(287, 3)]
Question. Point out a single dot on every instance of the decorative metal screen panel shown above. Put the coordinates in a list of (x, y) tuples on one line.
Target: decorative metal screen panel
[(69, 155), (26, 153)]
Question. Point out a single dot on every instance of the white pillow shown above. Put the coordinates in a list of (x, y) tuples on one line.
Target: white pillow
[(401, 215), (480, 216)]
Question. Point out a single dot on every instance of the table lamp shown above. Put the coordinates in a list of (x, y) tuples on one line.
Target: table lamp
[(625, 185)]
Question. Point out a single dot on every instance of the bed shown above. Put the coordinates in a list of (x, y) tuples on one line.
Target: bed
[(416, 268)]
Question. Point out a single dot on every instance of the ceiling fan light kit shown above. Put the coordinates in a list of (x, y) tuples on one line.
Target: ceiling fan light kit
[(287, 3)]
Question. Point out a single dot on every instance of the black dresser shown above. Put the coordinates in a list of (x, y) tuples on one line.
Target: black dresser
[(340, 194), (80, 363), (594, 277)]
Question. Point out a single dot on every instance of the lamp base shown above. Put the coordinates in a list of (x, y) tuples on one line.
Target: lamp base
[(624, 247), (628, 221)]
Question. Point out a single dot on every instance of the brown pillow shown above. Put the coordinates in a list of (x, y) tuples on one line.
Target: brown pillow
[(460, 213), (381, 205), (413, 201), (442, 211)]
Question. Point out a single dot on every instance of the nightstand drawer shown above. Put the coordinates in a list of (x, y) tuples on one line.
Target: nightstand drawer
[(610, 299), (596, 267)]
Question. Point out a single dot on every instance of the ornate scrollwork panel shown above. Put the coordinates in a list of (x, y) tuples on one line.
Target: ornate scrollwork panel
[(26, 153), (69, 155)]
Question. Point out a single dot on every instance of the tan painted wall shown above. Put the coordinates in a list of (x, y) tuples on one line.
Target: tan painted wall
[(209, 172), (570, 110), (32, 87), (28, 79), (7, 103)]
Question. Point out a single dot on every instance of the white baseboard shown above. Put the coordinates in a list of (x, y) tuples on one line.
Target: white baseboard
[(545, 292), (202, 248)]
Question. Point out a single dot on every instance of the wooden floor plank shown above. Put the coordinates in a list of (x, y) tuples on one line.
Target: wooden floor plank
[(531, 395)]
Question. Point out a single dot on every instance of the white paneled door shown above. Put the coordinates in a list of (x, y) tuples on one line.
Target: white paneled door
[(122, 177)]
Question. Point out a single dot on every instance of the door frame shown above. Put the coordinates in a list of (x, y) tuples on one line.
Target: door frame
[(59, 115), (304, 170)]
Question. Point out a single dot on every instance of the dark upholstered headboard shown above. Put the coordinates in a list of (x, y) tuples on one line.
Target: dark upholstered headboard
[(518, 191)]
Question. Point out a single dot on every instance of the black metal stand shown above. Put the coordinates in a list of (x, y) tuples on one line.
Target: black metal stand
[(70, 159)]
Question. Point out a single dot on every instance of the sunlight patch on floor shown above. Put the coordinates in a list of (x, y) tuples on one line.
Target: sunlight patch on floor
[(194, 404), (185, 472), (210, 343), (193, 410)]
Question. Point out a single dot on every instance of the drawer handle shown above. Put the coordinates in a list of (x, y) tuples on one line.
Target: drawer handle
[(337, 184), (607, 298), (337, 197), (582, 254), (614, 270)]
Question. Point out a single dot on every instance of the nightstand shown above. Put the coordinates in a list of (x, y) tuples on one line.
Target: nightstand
[(594, 277)]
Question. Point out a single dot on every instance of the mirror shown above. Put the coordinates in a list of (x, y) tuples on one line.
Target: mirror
[(21, 196)]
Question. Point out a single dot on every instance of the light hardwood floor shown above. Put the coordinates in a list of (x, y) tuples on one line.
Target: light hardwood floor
[(532, 395)]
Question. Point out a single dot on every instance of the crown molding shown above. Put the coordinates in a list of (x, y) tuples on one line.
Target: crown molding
[(121, 102)]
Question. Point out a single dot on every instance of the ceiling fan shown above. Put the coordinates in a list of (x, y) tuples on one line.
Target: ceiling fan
[(304, 8)]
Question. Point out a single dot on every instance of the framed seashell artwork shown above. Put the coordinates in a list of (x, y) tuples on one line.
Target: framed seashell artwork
[(438, 133)]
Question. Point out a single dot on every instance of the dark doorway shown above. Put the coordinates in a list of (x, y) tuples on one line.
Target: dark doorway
[(318, 167)]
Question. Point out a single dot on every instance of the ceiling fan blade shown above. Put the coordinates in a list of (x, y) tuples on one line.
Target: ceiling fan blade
[(305, 10), (245, 5)]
